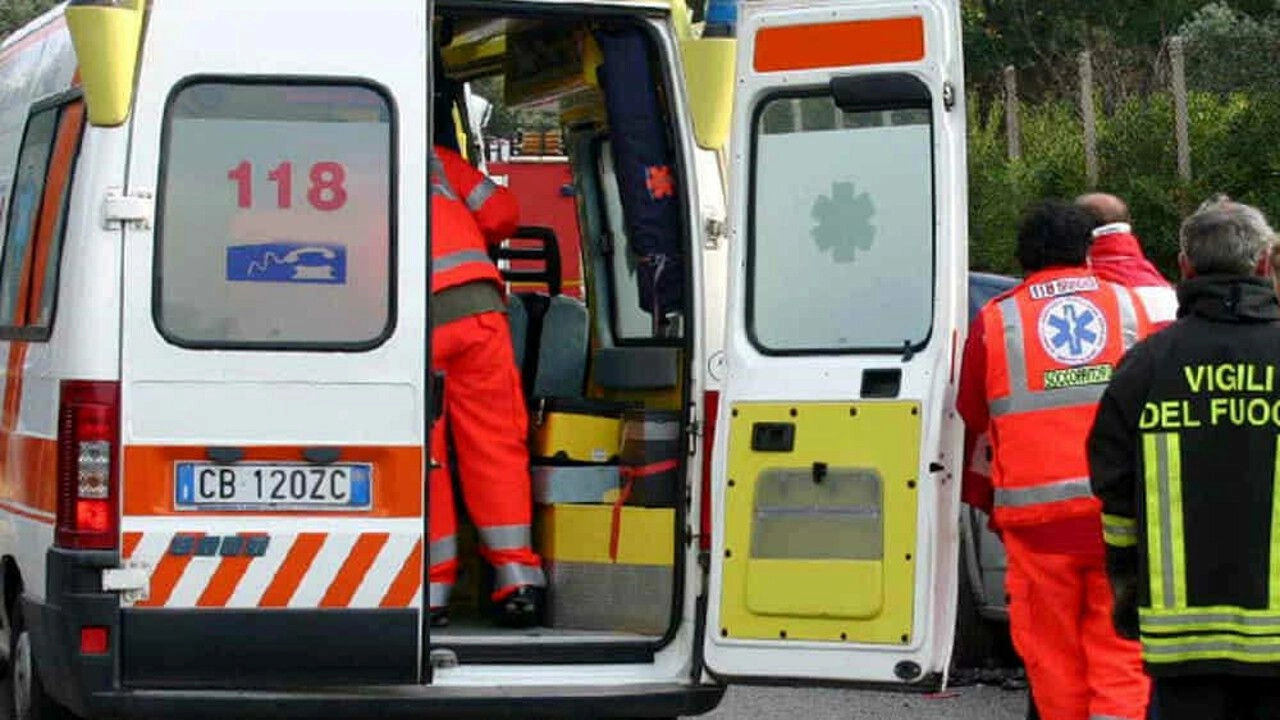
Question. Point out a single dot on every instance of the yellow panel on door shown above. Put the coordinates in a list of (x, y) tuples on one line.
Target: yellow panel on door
[(820, 532)]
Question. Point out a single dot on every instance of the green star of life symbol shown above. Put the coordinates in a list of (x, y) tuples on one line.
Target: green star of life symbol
[(843, 222)]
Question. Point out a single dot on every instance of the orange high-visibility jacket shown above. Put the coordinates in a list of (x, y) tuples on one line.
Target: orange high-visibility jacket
[(494, 207), (459, 252), (1052, 344)]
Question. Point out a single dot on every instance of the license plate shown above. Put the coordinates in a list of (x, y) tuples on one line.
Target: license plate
[(272, 486)]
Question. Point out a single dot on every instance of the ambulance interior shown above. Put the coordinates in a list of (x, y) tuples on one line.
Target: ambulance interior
[(605, 382)]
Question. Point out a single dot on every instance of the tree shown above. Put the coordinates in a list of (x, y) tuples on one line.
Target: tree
[(16, 13), (1042, 37)]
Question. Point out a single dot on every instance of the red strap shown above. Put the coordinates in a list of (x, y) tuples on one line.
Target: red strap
[(638, 471), (630, 473)]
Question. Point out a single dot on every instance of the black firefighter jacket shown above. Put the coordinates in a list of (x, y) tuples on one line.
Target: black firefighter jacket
[(1183, 456)]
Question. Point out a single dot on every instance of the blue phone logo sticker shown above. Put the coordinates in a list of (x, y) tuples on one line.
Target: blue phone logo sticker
[(288, 262)]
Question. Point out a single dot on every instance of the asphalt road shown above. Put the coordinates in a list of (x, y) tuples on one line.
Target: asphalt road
[(977, 702)]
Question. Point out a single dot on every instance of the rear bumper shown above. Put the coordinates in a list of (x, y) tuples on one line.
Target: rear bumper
[(632, 701), (184, 664)]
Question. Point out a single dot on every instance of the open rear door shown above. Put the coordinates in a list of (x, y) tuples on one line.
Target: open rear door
[(837, 466)]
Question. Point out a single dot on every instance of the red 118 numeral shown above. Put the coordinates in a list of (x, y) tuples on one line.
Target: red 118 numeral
[(327, 191)]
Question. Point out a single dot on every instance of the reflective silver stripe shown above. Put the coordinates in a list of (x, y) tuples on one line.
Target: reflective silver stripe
[(514, 574), (1040, 494), (438, 594), (1128, 316), (1150, 619), (480, 194), (439, 181), (1166, 521), (438, 188), (506, 537), (453, 260), (444, 549), (1219, 645), (1021, 398)]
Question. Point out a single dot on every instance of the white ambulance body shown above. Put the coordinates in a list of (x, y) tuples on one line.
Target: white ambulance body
[(214, 315)]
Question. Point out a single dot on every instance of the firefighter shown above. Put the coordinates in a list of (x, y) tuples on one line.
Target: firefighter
[(484, 407), (1116, 256), (1034, 365), (1183, 456)]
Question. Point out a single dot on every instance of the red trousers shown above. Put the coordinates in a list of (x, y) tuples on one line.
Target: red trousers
[(485, 412), (1060, 619)]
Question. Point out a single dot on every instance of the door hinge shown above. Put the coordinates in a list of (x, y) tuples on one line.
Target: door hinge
[(133, 581), (694, 432), (134, 210), (713, 233)]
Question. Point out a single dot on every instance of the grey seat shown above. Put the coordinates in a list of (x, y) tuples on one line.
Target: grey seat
[(561, 369), (518, 316)]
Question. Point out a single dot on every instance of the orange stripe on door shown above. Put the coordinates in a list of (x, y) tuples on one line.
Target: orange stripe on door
[(167, 574), (353, 570), (292, 570), (131, 540), (407, 581), (840, 44), (226, 578)]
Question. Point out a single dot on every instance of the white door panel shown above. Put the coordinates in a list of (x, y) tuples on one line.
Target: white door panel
[(835, 483)]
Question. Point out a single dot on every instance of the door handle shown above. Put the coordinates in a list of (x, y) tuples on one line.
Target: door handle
[(321, 455), (224, 455)]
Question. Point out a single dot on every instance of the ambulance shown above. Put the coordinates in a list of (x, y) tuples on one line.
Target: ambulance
[(217, 393)]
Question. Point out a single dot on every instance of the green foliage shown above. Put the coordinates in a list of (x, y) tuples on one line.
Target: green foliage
[(1233, 151), (1228, 49), (16, 13)]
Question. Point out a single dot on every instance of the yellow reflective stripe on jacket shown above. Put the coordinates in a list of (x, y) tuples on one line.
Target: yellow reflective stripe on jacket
[(1158, 650), (1274, 578), (1119, 531), (1162, 465), (1209, 619)]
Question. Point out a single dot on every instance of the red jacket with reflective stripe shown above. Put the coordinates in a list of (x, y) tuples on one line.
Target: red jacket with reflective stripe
[(1116, 256), (459, 253), (494, 207), (1049, 348)]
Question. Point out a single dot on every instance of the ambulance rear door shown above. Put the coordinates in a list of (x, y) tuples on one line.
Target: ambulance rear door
[(275, 346), (837, 462)]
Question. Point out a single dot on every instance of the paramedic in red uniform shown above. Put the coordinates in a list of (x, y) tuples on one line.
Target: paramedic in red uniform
[(1035, 364), (484, 407), (1116, 256)]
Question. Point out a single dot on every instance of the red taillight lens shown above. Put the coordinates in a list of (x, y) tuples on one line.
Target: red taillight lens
[(711, 405), (94, 640), (88, 515)]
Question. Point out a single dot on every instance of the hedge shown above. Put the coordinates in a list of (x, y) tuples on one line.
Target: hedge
[(1233, 150)]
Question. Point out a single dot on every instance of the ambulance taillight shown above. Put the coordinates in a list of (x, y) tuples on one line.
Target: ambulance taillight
[(88, 516), (711, 403)]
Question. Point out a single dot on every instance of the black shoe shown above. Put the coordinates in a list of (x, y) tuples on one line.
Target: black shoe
[(439, 617), (522, 608)]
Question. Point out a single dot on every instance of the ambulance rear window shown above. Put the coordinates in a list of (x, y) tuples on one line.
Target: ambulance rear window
[(275, 217), (841, 231)]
